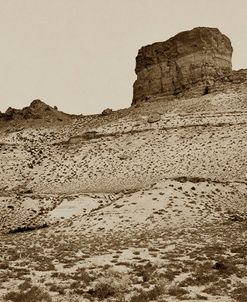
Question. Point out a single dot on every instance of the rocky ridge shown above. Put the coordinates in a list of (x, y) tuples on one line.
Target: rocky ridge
[(36, 110)]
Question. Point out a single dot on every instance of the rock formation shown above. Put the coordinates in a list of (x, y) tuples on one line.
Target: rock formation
[(36, 110), (190, 61)]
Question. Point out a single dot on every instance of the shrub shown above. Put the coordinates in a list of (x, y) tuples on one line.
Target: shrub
[(112, 284), (34, 294), (177, 291), (239, 293), (149, 295), (4, 265), (145, 271), (103, 290)]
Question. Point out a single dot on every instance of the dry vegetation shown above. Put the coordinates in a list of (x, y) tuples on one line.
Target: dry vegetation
[(124, 208)]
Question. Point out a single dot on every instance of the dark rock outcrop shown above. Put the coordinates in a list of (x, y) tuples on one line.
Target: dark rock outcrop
[(36, 110), (107, 111), (190, 61)]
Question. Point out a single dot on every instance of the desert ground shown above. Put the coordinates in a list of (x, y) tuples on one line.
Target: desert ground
[(142, 204)]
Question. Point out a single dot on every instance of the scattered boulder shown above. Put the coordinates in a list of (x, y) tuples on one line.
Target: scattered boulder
[(4, 265), (107, 111), (237, 217), (219, 266), (123, 156), (154, 118)]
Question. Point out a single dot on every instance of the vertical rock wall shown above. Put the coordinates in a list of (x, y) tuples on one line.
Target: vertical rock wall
[(191, 61)]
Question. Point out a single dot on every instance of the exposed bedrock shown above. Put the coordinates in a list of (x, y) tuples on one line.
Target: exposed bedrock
[(190, 61)]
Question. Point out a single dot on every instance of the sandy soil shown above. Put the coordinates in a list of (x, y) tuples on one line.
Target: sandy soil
[(124, 208)]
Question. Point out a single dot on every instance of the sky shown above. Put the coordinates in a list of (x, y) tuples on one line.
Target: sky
[(80, 54)]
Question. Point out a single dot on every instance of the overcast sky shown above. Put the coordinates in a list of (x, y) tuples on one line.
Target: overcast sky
[(80, 54)]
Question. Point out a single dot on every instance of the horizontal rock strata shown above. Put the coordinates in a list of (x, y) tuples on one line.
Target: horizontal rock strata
[(191, 60)]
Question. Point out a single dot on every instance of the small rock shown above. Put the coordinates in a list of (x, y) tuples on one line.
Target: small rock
[(107, 111), (219, 266), (123, 156), (154, 118)]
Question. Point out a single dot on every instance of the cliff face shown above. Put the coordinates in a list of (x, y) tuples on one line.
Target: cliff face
[(192, 60)]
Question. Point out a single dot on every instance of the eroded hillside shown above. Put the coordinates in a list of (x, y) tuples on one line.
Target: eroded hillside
[(147, 203), (134, 185)]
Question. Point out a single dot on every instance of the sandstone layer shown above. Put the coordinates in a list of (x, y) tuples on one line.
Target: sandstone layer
[(190, 61)]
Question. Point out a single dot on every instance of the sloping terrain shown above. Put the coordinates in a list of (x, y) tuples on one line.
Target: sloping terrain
[(143, 204)]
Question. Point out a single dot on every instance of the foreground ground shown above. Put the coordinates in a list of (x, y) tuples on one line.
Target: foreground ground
[(192, 264)]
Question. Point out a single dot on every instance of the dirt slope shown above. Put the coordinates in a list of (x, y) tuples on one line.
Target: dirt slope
[(143, 204)]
